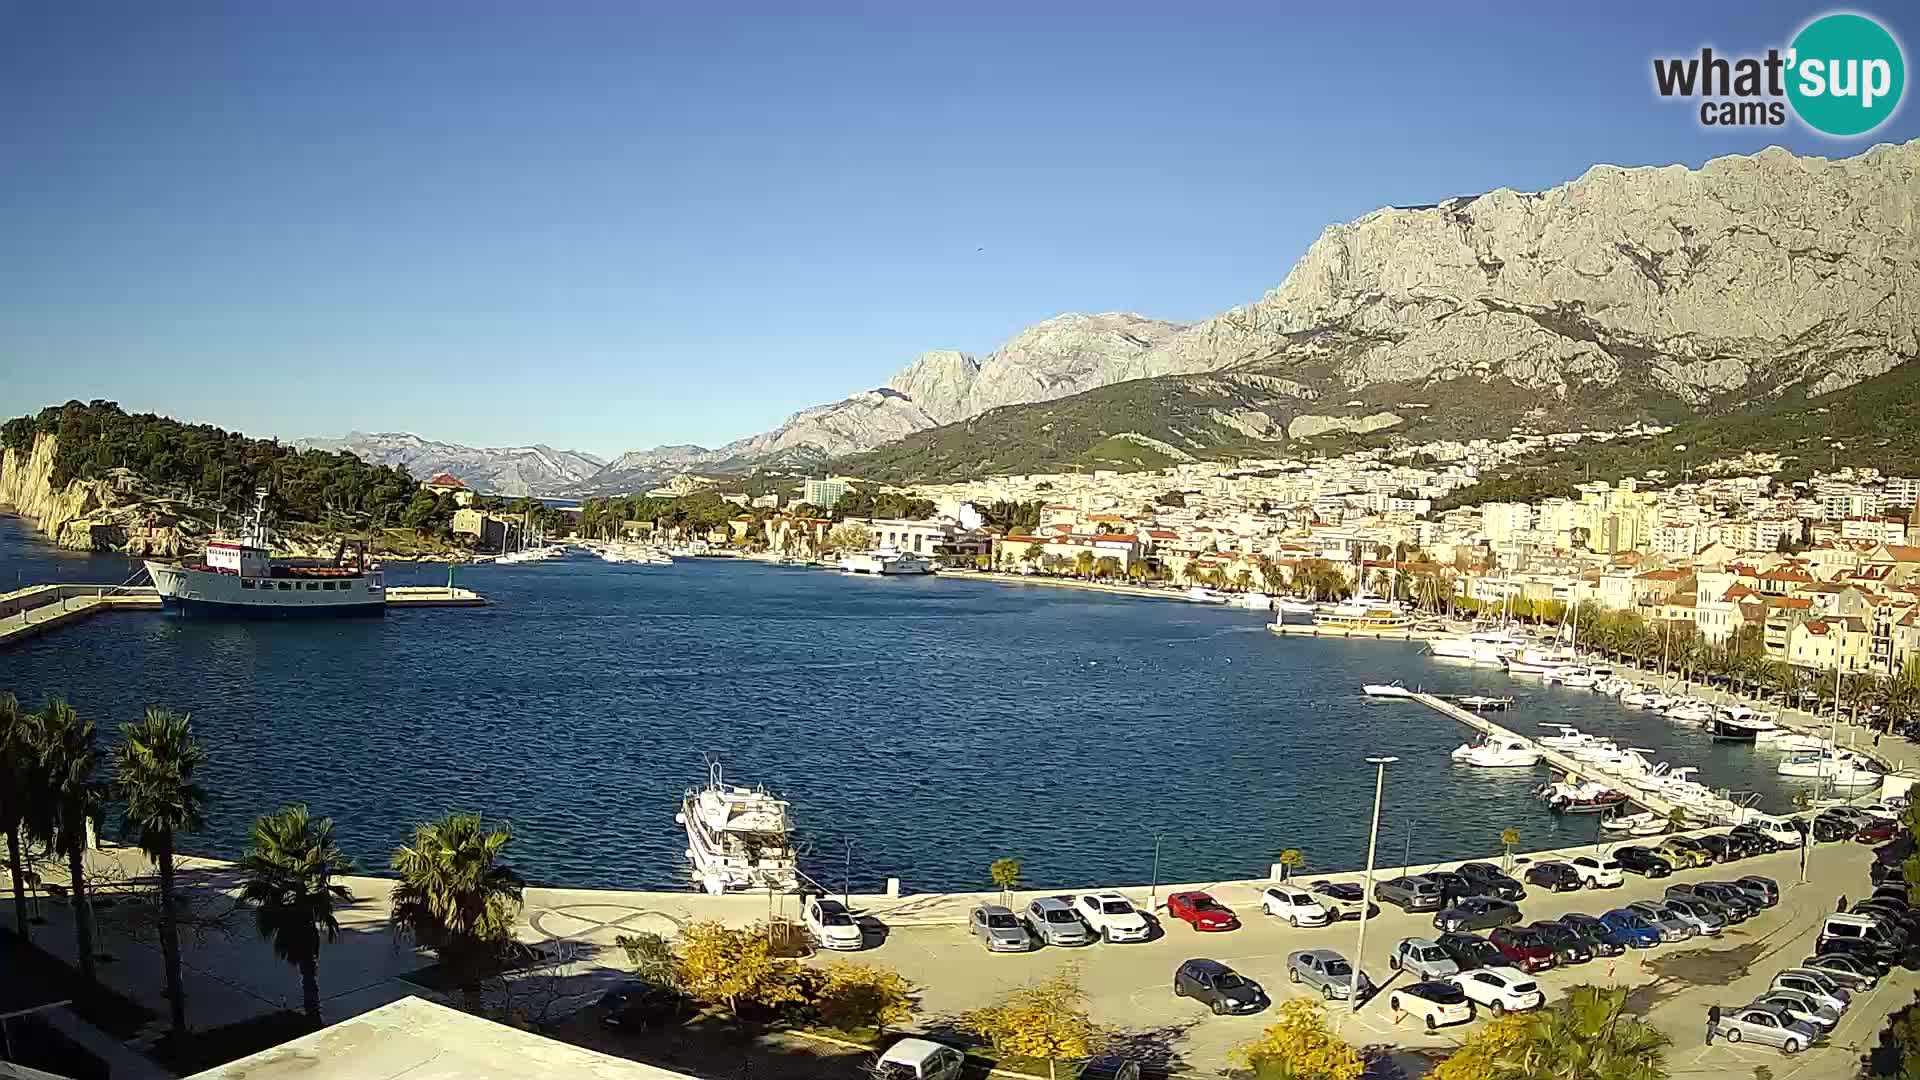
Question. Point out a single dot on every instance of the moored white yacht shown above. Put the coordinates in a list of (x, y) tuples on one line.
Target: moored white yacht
[(1254, 600), (1837, 767), (1200, 594), (1538, 661), (1737, 723), (1788, 740), (1498, 752), (737, 838), (1394, 689), (1364, 612), (885, 560)]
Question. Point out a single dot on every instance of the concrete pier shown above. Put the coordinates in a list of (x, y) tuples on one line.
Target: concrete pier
[(1639, 795), (36, 609)]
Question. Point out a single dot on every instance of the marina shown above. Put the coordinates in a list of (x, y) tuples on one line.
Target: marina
[(584, 693)]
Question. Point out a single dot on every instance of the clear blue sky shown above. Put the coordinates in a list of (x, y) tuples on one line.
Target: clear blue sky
[(600, 228)]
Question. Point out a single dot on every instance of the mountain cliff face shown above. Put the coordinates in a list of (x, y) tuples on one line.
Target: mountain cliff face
[(519, 470), (1625, 294)]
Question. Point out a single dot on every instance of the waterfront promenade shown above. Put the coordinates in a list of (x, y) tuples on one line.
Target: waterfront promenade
[(232, 975)]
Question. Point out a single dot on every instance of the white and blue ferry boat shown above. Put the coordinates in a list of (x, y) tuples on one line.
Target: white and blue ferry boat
[(238, 578)]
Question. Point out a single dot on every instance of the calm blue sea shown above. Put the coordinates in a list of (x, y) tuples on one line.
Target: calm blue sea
[(937, 723)]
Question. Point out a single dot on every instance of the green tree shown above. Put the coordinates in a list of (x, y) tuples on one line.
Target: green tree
[(1083, 563), (1107, 566), (154, 764), (1035, 553), (456, 897), (1508, 838), (287, 875), (16, 771), (63, 803), (1006, 875)]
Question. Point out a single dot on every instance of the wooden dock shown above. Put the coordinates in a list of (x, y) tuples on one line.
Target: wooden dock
[(32, 611), (1556, 758)]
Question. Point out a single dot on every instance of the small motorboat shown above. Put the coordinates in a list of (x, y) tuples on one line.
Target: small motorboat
[(1498, 752), (1789, 741), (1393, 689), (1645, 823), (1483, 703), (1581, 798), (1737, 723)]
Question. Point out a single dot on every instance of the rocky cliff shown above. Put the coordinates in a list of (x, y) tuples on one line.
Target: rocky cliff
[(82, 515)]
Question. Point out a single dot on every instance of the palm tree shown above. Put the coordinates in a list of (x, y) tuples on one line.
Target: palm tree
[(64, 800), (1587, 1035), (153, 765), (288, 878), (16, 760), (456, 897)]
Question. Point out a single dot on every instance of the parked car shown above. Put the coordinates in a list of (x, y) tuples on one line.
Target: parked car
[(636, 1005), (1719, 848), (832, 925), (998, 930), (1470, 951), (1682, 852), (1112, 916), (1492, 880), (1554, 876), (1783, 832), (1802, 1007), (1523, 948), (1052, 922), (1750, 842), (1671, 924), (1642, 861), (1706, 919), (1877, 831), (920, 1059), (1327, 971), (1635, 931), (1500, 989), (1437, 1004), (1412, 893), (1344, 900), (1599, 871), (1202, 912), (1422, 957), (1568, 947), (1218, 987), (1847, 972), (1905, 919), (1738, 904), (1760, 888), (1820, 986), (1881, 957), (1883, 811), (1768, 1026), (1298, 908), (1456, 887), (1895, 894), (1477, 913), (1601, 940), (1829, 826)]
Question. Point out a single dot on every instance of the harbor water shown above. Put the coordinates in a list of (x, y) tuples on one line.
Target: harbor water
[(921, 727)]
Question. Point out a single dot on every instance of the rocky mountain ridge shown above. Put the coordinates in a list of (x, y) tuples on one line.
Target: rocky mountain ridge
[(513, 470)]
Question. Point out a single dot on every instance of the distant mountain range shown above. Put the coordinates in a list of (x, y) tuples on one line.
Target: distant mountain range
[(514, 470), (1645, 293)]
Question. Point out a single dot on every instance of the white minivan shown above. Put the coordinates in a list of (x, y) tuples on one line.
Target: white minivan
[(1598, 871), (1779, 830)]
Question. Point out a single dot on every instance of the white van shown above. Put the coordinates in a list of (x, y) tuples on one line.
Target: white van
[(1779, 830), (1854, 928)]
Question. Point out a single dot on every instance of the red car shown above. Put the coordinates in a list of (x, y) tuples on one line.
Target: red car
[(1523, 948), (1201, 911), (1877, 832)]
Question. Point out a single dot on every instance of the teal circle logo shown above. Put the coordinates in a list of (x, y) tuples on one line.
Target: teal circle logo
[(1847, 74)]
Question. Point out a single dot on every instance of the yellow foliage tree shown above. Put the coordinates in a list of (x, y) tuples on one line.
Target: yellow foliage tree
[(1046, 1021), (1485, 1053), (1300, 1047), (854, 996), (719, 964)]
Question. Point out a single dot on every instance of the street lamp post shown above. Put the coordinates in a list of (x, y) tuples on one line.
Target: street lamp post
[(1153, 890), (1366, 895)]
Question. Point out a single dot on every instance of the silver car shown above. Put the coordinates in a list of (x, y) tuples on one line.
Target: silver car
[(1423, 958), (998, 930), (1703, 916), (1820, 987), (1768, 1025), (1672, 926), (1327, 970), (1052, 922), (1802, 1007)]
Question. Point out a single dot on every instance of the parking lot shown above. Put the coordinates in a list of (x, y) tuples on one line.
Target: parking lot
[(1673, 984)]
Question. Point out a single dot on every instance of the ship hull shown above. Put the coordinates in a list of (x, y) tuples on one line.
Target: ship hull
[(187, 590), (214, 609)]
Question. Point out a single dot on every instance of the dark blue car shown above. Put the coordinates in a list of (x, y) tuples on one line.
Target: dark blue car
[(1632, 930), (1598, 936)]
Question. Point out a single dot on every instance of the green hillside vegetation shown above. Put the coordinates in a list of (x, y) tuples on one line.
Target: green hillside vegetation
[(219, 468), (1873, 424)]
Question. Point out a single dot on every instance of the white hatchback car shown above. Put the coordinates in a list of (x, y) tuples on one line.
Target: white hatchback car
[(832, 925), (1500, 989), (1296, 906)]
